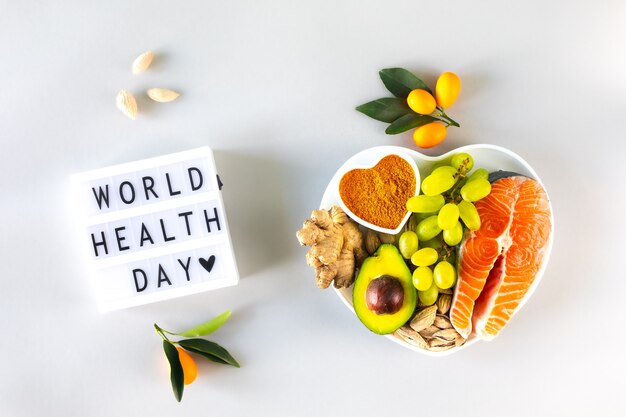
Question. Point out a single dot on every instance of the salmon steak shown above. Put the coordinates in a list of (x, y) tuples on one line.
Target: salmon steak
[(498, 262)]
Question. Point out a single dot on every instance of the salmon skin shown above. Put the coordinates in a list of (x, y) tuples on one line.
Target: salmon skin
[(499, 262), (497, 175)]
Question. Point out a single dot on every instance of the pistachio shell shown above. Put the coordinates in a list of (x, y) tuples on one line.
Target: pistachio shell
[(449, 335), (411, 337), (435, 342), (442, 322), (440, 348), (429, 332), (424, 318)]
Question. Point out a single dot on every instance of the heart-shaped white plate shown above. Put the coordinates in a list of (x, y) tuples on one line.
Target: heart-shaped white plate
[(490, 157)]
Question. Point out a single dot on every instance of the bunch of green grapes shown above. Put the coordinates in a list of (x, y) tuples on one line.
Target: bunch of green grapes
[(440, 213)]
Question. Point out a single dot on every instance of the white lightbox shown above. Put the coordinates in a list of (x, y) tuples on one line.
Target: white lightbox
[(154, 229)]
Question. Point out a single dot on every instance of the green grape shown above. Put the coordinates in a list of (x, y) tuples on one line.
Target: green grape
[(462, 162), (425, 203), (444, 275), (407, 243), (425, 257), (419, 217), (448, 216), (475, 190), (479, 173), (447, 170), (422, 278), (428, 228), (439, 181), (437, 184), (434, 243), (454, 235), (469, 215), (442, 163), (429, 297)]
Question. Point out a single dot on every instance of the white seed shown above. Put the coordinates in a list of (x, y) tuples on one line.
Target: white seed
[(162, 95), (142, 62), (127, 104)]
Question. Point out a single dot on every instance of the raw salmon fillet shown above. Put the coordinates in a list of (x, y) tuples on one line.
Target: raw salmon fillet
[(499, 262)]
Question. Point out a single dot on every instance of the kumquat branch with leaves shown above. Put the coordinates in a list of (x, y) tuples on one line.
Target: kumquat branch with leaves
[(183, 368), (414, 106)]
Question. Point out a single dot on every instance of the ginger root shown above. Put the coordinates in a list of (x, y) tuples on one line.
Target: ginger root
[(336, 246)]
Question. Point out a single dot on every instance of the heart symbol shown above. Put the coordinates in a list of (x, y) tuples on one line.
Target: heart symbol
[(378, 195), (207, 263)]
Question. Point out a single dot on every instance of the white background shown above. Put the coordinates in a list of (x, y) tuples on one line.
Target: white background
[(271, 87)]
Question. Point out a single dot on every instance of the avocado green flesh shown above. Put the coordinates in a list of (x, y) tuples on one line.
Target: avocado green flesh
[(386, 261)]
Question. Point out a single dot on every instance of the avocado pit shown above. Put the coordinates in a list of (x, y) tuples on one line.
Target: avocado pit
[(384, 295)]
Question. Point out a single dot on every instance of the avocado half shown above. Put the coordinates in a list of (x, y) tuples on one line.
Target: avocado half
[(386, 261)]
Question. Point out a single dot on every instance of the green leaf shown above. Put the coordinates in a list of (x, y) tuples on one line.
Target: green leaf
[(408, 122), (176, 370), (386, 109), (206, 327), (401, 82), (210, 350)]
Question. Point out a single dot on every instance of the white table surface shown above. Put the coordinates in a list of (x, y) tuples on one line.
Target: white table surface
[(271, 87)]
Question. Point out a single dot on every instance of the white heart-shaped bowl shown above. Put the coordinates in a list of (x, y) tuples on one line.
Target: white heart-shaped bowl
[(367, 160), (490, 157)]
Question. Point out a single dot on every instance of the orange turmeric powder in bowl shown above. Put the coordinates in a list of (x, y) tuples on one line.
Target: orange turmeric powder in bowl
[(376, 196)]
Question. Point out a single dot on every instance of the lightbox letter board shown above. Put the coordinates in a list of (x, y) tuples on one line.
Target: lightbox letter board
[(155, 229)]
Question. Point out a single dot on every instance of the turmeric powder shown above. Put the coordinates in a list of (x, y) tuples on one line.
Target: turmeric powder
[(378, 195)]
